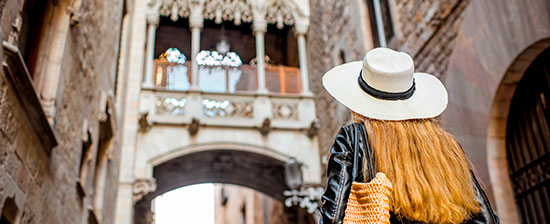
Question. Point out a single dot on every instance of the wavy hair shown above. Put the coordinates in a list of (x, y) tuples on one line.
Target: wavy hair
[(429, 171)]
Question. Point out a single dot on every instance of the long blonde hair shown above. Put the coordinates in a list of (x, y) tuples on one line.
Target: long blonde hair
[(429, 171)]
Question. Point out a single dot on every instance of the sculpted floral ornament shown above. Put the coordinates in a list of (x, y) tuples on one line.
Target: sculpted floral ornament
[(175, 9), (226, 10), (278, 12), (285, 111), (143, 187)]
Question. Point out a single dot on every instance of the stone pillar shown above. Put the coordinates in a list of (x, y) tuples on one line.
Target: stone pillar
[(195, 22), (49, 66), (260, 28), (302, 54), (152, 24), (195, 47)]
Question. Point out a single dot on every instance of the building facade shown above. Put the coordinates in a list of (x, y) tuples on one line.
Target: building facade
[(238, 205), (216, 91), (59, 126)]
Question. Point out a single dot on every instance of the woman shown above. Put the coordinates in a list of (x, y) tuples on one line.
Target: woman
[(397, 135)]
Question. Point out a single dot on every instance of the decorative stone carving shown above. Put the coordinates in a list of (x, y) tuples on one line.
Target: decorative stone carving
[(227, 108), (144, 124), (220, 10), (266, 127), (313, 129), (171, 106), (279, 12), (285, 111), (142, 187), (194, 126), (175, 9), (75, 12)]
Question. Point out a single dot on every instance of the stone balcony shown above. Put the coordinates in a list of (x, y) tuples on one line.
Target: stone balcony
[(228, 98), (226, 112)]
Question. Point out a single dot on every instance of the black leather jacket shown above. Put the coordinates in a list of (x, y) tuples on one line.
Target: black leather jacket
[(344, 165)]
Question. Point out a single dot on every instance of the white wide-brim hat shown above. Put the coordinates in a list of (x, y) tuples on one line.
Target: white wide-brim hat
[(384, 86)]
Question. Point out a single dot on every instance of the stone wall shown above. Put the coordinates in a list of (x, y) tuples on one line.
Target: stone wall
[(426, 30), (44, 184), (339, 32)]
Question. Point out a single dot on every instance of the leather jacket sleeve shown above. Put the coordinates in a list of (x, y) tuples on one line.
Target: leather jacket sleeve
[(486, 215), (339, 179)]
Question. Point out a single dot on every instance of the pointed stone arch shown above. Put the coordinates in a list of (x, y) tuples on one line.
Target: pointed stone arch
[(206, 164), (497, 129)]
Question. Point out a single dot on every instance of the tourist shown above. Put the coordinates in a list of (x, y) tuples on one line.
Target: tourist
[(396, 164)]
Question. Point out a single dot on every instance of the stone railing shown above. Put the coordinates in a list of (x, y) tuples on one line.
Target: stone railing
[(247, 110), (280, 79)]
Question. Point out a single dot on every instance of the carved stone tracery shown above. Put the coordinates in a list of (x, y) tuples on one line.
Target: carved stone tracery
[(279, 12), (175, 9), (227, 10), (142, 187), (285, 111)]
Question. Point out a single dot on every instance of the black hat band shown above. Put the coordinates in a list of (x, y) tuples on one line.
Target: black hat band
[(385, 95)]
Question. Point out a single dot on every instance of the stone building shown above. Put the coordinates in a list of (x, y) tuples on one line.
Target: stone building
[(217, 91), (236, 205), (59, 123), (493, 58)]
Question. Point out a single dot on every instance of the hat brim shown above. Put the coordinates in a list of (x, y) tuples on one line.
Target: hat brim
[(428, 100)]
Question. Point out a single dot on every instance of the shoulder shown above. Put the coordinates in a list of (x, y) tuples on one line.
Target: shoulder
[(346, 135), (350, 128)]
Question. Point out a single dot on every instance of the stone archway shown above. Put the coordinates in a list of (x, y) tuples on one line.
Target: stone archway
[(244, 168), (496, 138), (491, 37)]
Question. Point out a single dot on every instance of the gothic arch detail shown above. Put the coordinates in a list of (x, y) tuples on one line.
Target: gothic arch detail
[(175, 9), (227, 10), (279, 12)]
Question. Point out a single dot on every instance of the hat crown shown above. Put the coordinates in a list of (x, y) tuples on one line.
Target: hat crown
[(388, 70)]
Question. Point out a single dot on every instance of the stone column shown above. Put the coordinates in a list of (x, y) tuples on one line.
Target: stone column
[(152, 24), (260, 28), (49, 66), (195, 47), (302, 54), (195, 22)]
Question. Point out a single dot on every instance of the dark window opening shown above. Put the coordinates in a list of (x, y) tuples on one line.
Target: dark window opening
[(282, 70), (86, 147), (243, 214), (240, 38), (172, 34), (281, 46), (386, 21), (223, 196), (9, 212), (341, 57), (31, 31)]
